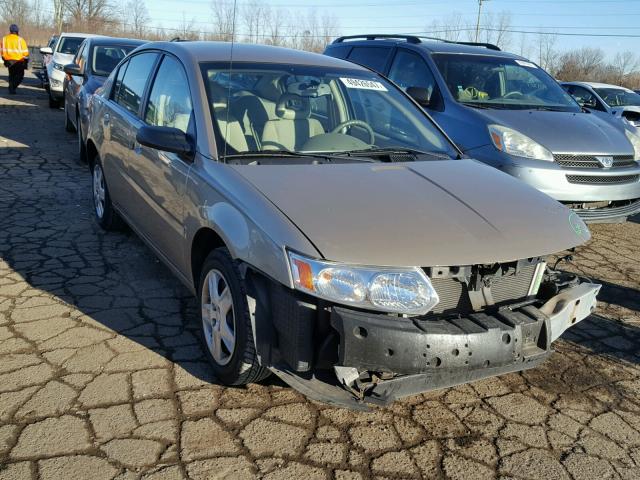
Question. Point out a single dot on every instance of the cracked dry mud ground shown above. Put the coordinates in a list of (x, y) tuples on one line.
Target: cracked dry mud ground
[(101, 375)]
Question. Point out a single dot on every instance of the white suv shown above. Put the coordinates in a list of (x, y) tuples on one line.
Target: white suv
[(63, 52)]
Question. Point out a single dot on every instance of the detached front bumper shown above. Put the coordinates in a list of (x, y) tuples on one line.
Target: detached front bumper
[(402, 356)]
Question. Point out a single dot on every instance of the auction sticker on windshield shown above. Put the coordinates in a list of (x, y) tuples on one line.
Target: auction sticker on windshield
[(363, 84)]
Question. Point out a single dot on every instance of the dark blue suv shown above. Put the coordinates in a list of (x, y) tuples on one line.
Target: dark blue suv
[(506, 111)]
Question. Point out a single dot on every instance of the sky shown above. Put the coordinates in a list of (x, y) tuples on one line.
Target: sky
[(595, 17)]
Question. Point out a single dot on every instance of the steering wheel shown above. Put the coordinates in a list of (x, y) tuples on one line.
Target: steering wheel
[(356, 123), (514, 93)]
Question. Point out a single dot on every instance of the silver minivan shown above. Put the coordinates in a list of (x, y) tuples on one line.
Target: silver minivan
[(506, 111), (330, 230)]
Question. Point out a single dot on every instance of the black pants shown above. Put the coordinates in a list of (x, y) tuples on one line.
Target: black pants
[(16, 73)]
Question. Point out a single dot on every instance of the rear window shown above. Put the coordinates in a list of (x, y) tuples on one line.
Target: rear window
[(372, 57)]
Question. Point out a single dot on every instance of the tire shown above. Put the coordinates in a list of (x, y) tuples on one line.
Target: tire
[(105, 214), (82, 148), (53, 103), (234, 361), (68, 126)]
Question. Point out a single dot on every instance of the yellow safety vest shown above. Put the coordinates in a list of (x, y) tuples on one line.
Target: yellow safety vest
[(13, 47)]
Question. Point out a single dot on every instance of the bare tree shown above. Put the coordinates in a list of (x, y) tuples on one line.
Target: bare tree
[(223, 20), (15, 11), (276, 27), (623, 64), (449, 28), (91, 15), (186, 29), (547, 54), (136, 18), (585, 64), (253, 16)]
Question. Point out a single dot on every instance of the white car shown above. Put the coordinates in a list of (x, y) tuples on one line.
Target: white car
[(63, 52), (611, 102)]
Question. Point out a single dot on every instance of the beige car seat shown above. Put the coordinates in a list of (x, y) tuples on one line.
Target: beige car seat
[(293, 127), (229, 126)]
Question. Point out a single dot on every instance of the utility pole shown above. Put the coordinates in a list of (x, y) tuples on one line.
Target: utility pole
[(478, 22)]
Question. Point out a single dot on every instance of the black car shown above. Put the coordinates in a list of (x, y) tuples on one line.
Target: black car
[(95, 60)]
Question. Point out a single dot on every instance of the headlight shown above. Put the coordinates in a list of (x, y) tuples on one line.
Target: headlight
[(397, 290), (515, 143), (58, 66), (634, 138)]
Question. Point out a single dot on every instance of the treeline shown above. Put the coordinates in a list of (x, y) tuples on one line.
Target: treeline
[(254, 21)]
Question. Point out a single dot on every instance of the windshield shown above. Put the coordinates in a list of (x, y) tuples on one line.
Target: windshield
[(617, 97), (106, 58), (505, 83), (306, 109), (69, 45)]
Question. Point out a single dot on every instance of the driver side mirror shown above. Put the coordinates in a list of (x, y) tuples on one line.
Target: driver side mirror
[(420, 95), (46, 51), (167, 139), (73, 69)]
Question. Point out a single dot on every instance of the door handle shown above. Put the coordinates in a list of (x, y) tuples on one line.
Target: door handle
[(106, 118)]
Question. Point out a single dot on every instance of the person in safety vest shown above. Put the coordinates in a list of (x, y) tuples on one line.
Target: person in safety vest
[(16, 57)]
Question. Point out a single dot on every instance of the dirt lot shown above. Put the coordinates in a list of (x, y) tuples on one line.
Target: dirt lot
[(101, 375)]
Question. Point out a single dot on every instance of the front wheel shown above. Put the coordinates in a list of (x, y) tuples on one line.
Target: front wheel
[(68, 126), (106, 216), (226, 327)]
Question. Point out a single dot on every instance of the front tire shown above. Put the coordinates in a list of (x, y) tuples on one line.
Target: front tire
[(226, 326), (82, 148), (68, 126), (53, 103), (105, 214)]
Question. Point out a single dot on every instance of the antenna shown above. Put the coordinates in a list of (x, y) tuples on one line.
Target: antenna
[(233, 37)]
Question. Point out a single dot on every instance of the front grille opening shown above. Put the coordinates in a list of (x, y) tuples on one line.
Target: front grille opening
[(598, 180), (590, 161), (511, 282)]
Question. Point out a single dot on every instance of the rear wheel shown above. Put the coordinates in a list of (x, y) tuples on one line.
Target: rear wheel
[(106, 216), (226, 327)]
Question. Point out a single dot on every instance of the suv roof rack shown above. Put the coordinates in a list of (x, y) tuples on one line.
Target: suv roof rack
[(413, 39)]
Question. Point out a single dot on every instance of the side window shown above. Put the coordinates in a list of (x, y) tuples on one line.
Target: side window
[(373, 57), (118, 80), (81, 57), (585, 98), (170, 100), (409, 70), (129, 92)]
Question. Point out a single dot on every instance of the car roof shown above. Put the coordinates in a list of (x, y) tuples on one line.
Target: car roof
[(598, 85), (205, 51), (116, 41), (430, 45), (79, 35)]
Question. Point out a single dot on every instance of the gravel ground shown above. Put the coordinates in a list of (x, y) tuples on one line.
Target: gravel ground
[(101, 375)]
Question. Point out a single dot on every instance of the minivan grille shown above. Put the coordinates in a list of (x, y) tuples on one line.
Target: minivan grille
[(454, 294), (590, 161), (598, 180)]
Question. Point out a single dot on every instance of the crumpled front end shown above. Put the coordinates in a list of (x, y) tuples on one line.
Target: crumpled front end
[(492, 319)]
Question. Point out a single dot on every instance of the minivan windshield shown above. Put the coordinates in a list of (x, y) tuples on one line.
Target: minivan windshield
[(500, 82), (310, 109), (617, 97), (69, 45)]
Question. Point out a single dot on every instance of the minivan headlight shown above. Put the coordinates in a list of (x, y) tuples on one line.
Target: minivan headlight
[(511, 141), (634, 138), (398, 290)]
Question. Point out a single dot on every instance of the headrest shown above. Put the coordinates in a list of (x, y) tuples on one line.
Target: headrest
[(293, 107), (219, 95), (267, 87)]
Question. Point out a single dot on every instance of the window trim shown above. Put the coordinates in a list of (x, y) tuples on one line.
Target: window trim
[(192, 131), (437, 102), (145, 90)]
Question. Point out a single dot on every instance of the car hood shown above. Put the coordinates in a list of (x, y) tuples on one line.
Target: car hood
[(454, 212), (63, 58), (564, 132)]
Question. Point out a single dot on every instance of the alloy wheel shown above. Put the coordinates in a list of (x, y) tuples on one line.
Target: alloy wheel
[(99, 191), (218, 317)]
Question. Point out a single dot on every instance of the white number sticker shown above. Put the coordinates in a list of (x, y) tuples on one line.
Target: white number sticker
[(526, 64), (363, 84)]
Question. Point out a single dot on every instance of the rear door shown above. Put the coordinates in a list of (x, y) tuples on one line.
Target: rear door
[(160, 177), (122, 120)]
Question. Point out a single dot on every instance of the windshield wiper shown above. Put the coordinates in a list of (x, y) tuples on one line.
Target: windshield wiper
[(477, 105), (375, 151), (326, 156)]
